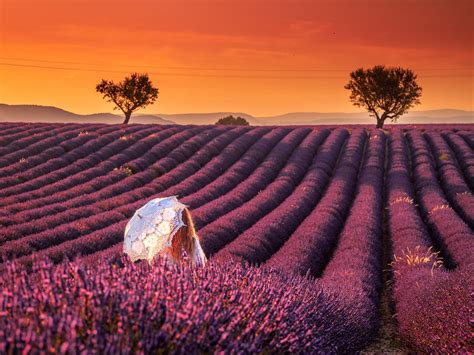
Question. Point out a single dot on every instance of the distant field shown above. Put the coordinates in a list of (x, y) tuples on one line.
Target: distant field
[(360, 212)]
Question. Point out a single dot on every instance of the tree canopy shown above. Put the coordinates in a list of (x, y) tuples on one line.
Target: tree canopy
[(233, 121), (134, 92), (386, 92)]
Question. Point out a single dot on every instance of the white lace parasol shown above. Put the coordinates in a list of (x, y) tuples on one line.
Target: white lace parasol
[(152, 228)]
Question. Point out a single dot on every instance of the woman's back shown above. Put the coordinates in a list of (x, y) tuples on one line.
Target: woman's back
[(163, 227)]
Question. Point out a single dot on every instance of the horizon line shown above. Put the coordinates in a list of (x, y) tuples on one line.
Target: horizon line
[(230, 111)]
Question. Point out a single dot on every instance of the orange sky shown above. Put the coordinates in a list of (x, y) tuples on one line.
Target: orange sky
[(262, 57)]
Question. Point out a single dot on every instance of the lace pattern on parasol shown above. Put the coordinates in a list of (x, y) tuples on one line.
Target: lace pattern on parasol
[(152, 227)]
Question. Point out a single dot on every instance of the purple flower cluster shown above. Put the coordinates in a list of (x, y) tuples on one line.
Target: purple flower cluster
[(54, 148), (309, 247), (99, 170), (25, 146), (10, 132), (407, 230), (258, 243), (143, 309), (290, 201), (468, 138), (434, 311), (77, 222), (258, 180), (453, 235), (355, 267), (431, 303), (218, 166), (36, 178), (451, 177), (357, 259), (171, 147), (28, 135), (220, 232), (238, 172), (464, 155)]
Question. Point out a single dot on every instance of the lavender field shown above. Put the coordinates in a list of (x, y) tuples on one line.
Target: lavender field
[(305, 228)]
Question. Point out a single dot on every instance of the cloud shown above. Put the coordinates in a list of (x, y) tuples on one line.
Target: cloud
[(309, 28)]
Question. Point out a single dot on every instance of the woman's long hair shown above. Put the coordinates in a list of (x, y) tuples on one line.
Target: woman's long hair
[(184, 239)]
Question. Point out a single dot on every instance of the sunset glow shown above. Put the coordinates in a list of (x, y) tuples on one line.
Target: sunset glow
[(260, 57)]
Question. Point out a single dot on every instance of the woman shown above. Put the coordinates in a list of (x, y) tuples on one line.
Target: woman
[(163, 227), (186, 240)]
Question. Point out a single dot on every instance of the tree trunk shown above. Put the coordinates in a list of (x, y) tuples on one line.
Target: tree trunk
[(381, 120), (127, 117)]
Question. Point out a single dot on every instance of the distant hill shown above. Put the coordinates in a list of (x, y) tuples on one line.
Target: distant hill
[(33, 113), (414, 117), (331, 118)]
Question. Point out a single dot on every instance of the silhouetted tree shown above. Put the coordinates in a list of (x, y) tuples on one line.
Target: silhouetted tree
[(233, 121), (134, 92), (384, 92)]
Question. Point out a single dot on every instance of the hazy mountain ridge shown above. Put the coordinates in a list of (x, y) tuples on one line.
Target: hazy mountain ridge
[(35, 113), (417, 117)]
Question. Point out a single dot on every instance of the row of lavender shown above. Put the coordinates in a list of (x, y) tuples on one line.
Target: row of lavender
[(225, 307), (428, 237), (66, 231), (61, 141), (290, 314), (219, 197), (365, 285), (84, 207), (283, 160), (103, 153), (288, 338), (74, 191), (125, 197), (44, 209), (281, 197), (29, 216)]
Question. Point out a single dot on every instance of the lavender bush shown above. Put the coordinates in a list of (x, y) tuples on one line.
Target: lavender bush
[(288, 200), (464, 155), (137, 308), (309, 247), (431, 303)]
